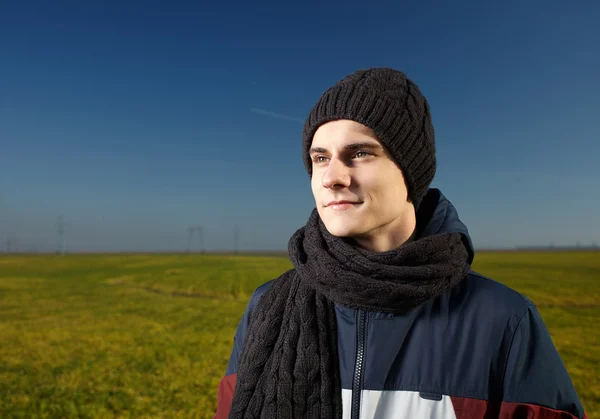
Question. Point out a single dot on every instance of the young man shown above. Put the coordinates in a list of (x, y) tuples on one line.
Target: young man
[(382, 316)]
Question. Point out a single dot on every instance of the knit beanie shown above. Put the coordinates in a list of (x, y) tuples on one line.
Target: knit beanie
[(386, 101)]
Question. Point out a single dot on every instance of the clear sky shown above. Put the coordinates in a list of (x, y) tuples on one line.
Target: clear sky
[(135, 120)]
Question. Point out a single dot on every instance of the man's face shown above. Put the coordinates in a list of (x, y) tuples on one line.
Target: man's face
[(359, 190)]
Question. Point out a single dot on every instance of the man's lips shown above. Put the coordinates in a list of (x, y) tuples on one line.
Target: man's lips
[(344, 204)]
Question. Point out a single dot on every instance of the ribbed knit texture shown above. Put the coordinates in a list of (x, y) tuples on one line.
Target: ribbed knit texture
[(386, 101), (289, 367)]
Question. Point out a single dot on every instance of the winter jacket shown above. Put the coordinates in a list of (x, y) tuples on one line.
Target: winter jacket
[(479, 350)]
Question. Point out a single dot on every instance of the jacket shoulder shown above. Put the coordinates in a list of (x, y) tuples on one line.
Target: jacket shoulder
[(258, 293), (494, 296), (243, 325)]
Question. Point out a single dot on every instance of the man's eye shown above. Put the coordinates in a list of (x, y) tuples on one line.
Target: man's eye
[(319, 159), (361, 154)]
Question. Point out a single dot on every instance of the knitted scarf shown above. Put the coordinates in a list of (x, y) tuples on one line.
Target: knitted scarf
[(289, 365)]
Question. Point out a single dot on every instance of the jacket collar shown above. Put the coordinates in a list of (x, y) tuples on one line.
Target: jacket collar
[(437, 215)]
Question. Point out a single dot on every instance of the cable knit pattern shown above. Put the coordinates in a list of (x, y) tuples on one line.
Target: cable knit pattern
[(289, 363)]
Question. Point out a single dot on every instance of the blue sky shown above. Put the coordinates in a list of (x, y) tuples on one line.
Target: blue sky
[(135, 120)]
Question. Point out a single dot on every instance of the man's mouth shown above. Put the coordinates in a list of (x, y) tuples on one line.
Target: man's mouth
[(342, 205)]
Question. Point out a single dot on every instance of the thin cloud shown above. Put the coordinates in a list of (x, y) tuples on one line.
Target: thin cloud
[(275, 115)]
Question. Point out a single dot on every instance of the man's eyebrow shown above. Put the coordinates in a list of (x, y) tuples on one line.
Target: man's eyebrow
[(353, 146), (317, 150), (357, 146)]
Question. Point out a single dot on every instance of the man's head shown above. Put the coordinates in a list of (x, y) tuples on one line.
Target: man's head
[(369, 140)]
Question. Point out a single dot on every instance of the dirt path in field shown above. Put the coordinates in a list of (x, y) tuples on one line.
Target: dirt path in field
[(128, 282), (175, 293)]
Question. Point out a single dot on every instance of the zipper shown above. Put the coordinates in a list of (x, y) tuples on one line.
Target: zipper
[(358, 366)]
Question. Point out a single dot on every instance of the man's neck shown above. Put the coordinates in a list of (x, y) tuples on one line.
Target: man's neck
[(384, 241)]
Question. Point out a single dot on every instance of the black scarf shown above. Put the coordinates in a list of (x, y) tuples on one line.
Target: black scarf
[(289, 364)]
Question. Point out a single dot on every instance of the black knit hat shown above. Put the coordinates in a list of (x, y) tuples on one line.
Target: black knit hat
[(386, 101)]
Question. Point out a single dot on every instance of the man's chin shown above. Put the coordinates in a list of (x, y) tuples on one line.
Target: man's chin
[(340, 229)]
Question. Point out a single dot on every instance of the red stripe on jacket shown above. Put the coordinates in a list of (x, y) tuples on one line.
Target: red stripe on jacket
[(225, 396), (466, 408)]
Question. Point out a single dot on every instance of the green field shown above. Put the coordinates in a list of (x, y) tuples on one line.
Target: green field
[(147, 336)]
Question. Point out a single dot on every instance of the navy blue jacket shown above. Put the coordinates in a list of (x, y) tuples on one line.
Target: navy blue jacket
[(479, 350)]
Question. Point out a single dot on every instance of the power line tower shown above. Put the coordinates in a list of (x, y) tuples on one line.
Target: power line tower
[(60, 229), (195, 230), (190, 237)]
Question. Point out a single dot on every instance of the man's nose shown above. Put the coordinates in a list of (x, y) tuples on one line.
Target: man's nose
[(337, 174)]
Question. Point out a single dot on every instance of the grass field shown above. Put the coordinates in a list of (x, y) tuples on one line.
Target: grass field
[(104, 336)]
